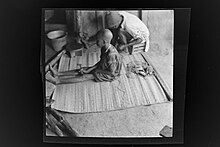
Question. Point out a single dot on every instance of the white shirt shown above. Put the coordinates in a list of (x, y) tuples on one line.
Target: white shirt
[(135, 27)]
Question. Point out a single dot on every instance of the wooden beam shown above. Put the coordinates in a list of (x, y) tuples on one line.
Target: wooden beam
[(54, 60)]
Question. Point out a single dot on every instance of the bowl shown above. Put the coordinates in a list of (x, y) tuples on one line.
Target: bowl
[(56, 34)]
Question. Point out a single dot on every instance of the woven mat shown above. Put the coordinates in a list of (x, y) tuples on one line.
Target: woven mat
[(90, 96)]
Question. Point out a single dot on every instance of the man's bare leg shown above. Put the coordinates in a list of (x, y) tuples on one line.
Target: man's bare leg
[(69, 80), (64, 73), (51, 79), (76, 79)]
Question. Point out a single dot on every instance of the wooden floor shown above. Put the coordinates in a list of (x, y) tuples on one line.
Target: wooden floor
[(90, 96)]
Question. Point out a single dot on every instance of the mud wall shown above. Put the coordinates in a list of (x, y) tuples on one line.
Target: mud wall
[(161, 27)]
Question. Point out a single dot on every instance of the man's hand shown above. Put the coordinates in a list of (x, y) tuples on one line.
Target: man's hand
[(86, 70), (84, 36), (83, 71)]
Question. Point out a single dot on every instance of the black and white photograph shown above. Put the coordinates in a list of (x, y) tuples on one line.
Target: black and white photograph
[(108, 73)]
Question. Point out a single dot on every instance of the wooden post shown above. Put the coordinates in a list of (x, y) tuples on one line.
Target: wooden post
[(73, 20), (103, 19), (140, 14)]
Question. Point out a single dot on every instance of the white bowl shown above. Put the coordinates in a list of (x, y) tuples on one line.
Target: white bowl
[(56, 34)]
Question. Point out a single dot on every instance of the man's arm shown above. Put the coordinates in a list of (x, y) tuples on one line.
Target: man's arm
[(133, 42), (87, 69), (89, 41), (124, 40)]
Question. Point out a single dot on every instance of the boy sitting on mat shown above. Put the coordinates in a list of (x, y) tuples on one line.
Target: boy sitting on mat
[(107, 69)]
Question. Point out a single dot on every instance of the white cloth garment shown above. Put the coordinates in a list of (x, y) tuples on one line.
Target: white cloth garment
[(135, 27)]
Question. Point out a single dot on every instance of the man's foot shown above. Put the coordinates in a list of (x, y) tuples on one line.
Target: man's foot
[(53, 71), (51, 79)]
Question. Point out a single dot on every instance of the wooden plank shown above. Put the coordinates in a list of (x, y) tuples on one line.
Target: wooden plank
[(85, 59), (148, 88), (161, 94), (151, 83), (118, 95), (77, 106), (137, 85), (71, 96), (91, 96), (127, 60), (89, 57), (73, 63), (105, 94), (114, 96), (58, 103), (145, 90), (159, 77), (92, 99), (110, 96), (86, 96), (145, 82), (160, 99), (128, 94), (78, 62), (65, 101), (82, 96), (64, 63), (89, 88), (49, 88), (98, 53), (142, 81), (129, 91), (154, 90), (126, 99), (128, 83), (96, 58), (97, 97)]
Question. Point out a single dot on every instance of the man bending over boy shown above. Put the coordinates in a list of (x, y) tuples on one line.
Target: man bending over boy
[(107, 69)]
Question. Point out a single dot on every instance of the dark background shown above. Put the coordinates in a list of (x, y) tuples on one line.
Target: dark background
[(21, 86)]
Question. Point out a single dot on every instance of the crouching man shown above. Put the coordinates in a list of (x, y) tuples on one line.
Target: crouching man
[(128, 30), (107, 69)]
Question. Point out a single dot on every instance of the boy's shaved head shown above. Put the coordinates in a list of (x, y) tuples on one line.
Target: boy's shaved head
[(105, 34)]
